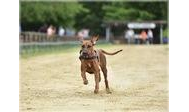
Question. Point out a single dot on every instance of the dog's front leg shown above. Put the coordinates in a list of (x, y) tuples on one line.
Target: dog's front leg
[(97, 77), (83, 75), (96, 82)]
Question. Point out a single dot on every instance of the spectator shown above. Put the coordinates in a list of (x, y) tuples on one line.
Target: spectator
[(86, 33), (61, 31), (143, 37), (80, 34), (83, 33), (150, 36), (129, 35), (136, 37), (51, 31)]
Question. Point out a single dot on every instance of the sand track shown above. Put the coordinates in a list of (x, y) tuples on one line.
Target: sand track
[(138, 80)]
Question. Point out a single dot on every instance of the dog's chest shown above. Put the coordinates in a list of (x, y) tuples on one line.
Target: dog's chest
[(91, 68), (89, 65)]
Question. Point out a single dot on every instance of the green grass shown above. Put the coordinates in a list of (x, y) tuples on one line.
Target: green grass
[(36, 50)]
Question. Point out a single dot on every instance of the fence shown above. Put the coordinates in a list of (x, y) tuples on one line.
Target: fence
[(27, 37), (34, 43)]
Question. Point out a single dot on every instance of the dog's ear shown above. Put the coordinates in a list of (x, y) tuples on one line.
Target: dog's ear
[(94, 39)]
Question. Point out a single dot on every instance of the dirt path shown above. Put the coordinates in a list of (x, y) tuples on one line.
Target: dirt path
[(138, 79)]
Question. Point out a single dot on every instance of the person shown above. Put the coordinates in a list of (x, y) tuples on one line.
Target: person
[(86, 33), (129, 35), (61, 31), (143, 37), (83, 33), (150, 36), (136, 37), (80, 34), (50, 32)]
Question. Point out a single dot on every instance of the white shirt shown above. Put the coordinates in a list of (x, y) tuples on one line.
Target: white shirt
[(129, 34), (61, 32), (84, 33), (150, 34)]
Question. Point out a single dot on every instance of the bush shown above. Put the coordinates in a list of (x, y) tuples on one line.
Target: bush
[(166, 33)]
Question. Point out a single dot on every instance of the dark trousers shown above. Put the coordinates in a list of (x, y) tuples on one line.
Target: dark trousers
[(150, 40)]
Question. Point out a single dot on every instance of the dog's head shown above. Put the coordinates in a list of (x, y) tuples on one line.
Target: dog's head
[(87, 46)]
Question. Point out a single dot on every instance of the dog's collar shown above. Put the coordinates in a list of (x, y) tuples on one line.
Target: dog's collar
[(88, 57)]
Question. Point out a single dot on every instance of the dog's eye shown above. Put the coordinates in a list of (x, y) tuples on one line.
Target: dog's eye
[(88, 46), (82, 46)]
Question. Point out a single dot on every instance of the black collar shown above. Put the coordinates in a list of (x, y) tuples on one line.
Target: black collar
[(88, 57)]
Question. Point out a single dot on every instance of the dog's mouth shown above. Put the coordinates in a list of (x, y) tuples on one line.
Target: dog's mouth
[(83, 53), (86, 55)]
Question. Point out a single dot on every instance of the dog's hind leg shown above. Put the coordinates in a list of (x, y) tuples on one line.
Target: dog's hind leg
[(104, 70)]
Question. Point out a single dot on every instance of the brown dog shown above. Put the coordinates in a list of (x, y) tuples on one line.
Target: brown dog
[(91, 60)]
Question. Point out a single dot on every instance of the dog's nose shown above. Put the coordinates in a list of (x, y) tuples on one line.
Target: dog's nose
[(84, 53)]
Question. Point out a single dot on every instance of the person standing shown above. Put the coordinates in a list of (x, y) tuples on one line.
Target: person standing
[(150, 36), (143, 36), (61, 31), (129, 35), (51, 31)]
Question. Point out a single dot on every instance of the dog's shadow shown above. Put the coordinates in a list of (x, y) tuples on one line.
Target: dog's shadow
[(91, 94), (102, 93)]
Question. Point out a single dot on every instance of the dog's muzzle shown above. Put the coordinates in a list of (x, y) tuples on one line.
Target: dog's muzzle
[(84, 53), (86, 56)]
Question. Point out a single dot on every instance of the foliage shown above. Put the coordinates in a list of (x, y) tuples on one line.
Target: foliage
[(166, 33), (88, 14), (36, 14)]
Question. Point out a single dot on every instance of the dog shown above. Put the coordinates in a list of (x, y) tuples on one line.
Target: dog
[(92, 60)]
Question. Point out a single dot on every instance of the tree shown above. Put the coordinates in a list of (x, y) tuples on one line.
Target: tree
[(35, 14), (90, 15), (135, 11), (92, 18)]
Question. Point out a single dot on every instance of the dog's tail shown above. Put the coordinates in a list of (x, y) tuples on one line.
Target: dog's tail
[(111, 53)]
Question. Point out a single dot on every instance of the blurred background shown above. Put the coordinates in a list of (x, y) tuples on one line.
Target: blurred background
[(121, 22), (49, 45)]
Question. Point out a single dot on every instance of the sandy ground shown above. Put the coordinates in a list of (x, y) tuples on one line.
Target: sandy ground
[(138, 78)]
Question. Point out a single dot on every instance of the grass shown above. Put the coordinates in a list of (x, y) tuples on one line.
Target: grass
[(28, 51), (36, 50)]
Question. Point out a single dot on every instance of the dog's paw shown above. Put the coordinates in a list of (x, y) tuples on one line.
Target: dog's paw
[(96, 91), (108, 91), (85, 82)]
